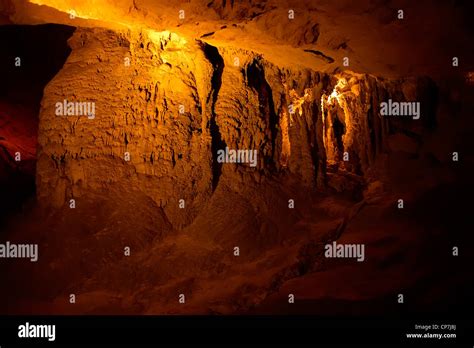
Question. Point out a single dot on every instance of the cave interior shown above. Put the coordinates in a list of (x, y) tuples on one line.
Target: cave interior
[(132, 208)]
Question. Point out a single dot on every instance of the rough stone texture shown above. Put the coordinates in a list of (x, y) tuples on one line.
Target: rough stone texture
[(291, 99), (255, 105), (137, 111)]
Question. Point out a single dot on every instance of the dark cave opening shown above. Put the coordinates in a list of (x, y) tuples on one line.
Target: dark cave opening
[(339, 129), (32, 56)]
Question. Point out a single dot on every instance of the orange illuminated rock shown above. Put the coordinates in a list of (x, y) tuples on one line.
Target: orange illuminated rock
[(131, 127)]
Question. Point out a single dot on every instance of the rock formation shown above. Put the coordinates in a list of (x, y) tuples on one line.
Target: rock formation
[(171, 84)]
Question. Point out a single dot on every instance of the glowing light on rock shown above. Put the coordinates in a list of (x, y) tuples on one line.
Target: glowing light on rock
[(286, 145), (167, 39), (286, 121), (297, 102), (336, 96), (94, 8), (100, 10)]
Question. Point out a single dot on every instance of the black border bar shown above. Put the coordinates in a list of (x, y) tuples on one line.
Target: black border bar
[(232, 330)]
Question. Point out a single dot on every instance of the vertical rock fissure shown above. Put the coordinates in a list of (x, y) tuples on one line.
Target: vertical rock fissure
[(256, 80), (212, 54)]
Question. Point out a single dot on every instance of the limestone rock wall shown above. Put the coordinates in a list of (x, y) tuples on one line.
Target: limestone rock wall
[(165, 104), (137, 112)]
